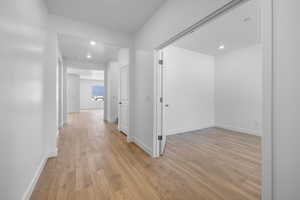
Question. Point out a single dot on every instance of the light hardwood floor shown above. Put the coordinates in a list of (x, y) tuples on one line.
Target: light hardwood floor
[(95, 162)]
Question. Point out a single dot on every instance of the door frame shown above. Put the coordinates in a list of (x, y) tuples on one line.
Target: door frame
[(267, 41)]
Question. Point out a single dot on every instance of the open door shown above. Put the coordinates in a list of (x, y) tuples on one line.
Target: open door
[(162, 136), (123, 100)]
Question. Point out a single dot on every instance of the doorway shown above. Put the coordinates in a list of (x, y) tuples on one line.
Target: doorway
[(95, 78), (224, 42)]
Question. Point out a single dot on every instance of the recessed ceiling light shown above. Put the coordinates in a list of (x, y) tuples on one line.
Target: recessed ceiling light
[(221, 47), (93, 43), (88, 56), (246, 19)]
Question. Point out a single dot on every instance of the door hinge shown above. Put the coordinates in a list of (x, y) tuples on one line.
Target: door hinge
[(160, 137), (160, 99), (161, 62)]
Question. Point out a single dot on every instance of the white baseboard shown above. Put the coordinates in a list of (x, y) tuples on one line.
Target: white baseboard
[(142, 146), (240, 130), (35, 179), (52, 154), (184, 130), (38, 173), (129, 139)]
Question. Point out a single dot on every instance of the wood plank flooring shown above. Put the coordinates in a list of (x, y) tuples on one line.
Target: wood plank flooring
[(95, 162)]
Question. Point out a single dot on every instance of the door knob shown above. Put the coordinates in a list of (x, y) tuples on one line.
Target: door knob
[(120, 103), (166, 105)]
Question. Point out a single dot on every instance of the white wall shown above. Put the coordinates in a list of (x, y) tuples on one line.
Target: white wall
[(238, 100), (113, 83), (60, 90), (106, 103), (83, 65), (73, 92), (191, 84), (50, 91), (65, 91), (113, 78), (123, 56), (170, 19), (188, 90), (286, 103), (23, 139), (86, 93)]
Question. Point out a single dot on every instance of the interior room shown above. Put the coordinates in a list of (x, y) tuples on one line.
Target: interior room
[(94, 73), (212, 94), (85, 90), (197, 100)]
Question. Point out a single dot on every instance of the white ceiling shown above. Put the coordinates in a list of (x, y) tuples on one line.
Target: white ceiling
[(75, 49), (87, 74), (236, 29), (121, 15)]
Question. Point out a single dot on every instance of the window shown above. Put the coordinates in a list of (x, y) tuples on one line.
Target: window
[(97, 92)]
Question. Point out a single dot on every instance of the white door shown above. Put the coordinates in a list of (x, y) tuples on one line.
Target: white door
[(123, 100), (163, 105)]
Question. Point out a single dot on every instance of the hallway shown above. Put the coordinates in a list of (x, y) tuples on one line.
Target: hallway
[(95, 162)]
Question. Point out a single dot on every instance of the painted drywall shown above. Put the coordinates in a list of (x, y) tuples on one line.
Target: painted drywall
[(23, 37), (113, 78), (188, 90), (106, 104), (170, 19), (73, 92), (238, 90), (50, 92), (60, 93), (123, 56), (112, 86), (65, 93), (82, 65), (286, 102), (86, 93)]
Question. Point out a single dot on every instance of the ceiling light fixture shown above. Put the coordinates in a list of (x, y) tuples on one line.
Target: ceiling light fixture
[(88, 56), (246, 19), (93, 43), (221, 47)]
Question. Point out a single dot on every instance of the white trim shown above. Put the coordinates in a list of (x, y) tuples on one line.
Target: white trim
[(52, 154), (267, 33), (57, 134), (239, 129), (185, 130), (216, 13), (142, 146), (156, 111), (30, 188), (129, 139), (35, 179)]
